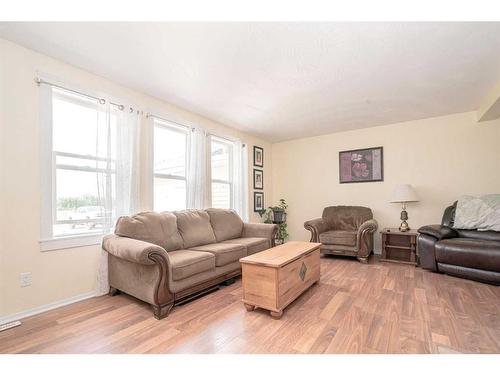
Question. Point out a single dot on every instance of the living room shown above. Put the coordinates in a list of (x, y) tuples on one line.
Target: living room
[(250, 187)]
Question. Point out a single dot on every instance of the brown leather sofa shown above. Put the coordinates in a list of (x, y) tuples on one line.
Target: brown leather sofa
[(163, 258), (344, 230), (464, 253)]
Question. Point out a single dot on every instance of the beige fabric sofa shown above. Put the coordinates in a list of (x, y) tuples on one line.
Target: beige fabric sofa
[(162, 258)]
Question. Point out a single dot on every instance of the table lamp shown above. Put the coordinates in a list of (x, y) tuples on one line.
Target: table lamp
[(404, 193)]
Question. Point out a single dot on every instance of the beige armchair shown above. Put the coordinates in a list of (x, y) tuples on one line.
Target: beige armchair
[(344, 230)]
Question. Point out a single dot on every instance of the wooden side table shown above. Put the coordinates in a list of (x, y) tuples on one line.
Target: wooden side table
[(399, 247)]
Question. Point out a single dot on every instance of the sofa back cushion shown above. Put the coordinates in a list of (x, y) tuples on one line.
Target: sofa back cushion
[(227, 225), (157, 228), (347, 218), (486, 235), (194, 228)]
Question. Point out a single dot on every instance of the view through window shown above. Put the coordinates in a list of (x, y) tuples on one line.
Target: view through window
[(170, 166), (84, 168), (221, 168)]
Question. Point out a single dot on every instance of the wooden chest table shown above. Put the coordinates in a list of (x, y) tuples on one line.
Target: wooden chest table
[(274, 278)]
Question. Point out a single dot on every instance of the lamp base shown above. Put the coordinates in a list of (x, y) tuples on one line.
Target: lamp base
[(404, 227)]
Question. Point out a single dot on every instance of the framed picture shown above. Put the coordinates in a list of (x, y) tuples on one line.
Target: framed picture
[(258, 156), (362, 165), (258, 201), (258, 179)]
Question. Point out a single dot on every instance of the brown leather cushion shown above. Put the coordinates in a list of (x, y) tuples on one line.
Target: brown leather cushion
[(252, 244), (225, 223), (488, 235), (470, 253), (186, 263), (471, 273), (338, 237), (225, 253), (194, 227), (153, 227)]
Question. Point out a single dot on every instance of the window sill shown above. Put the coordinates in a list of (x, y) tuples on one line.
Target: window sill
[(70, 242)]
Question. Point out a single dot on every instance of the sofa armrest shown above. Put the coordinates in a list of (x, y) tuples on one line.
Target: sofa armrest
[(316, 227), (427, 251), (260, 230), (133, 250), (364, 238), (439, 232), (156, 290)]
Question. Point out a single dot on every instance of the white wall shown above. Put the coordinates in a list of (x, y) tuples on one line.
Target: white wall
[(442, 157), (64, 273)]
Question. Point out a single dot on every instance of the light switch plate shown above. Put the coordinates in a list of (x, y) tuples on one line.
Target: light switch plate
[(25, 279)]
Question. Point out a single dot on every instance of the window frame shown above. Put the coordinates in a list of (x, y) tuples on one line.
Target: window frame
[(230, 182), (171, 126), (48, 165)]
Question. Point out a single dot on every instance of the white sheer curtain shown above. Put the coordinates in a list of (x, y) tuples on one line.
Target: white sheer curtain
[(127, 162), (118, 172), (198, 170), (240, 180)]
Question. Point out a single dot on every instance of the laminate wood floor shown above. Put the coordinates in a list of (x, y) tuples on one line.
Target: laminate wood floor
[(355, 308)]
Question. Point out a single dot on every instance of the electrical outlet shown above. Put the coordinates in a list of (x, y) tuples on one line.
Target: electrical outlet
[(25, 279)]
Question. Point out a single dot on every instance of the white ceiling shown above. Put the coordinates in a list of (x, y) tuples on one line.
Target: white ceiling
[(282, 81)]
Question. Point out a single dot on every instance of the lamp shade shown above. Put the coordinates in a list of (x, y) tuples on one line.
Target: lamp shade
[(403, 193)]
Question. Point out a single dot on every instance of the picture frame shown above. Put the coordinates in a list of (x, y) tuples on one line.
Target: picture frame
[(258, 201), (258, 179), (361, 165), (258, 156)]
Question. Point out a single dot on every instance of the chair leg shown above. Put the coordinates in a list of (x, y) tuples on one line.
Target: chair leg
[(113, 291), (161, 312), (363, 260)]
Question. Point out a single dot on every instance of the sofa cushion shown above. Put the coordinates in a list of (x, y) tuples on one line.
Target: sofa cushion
[(487, 235), (252, 244), (225, 223), (194, 227), (338, 237), (153, 227), (472, 253), (225, 253), (186, 263), (347, 218)]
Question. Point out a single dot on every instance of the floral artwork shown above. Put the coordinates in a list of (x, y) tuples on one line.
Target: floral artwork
[(363, 165)]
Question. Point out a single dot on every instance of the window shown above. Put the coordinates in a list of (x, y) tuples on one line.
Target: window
[(89, 171), (170, 166), (84, 168), (222, 172)]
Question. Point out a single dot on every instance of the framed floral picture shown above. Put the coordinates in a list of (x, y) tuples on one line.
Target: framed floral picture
[(258, 157), (362, 165), (258, 201), (258, 179)]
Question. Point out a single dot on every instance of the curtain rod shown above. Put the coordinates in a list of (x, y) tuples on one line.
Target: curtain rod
[(170, 121), (226, 138), (39, 81), (193, 128)]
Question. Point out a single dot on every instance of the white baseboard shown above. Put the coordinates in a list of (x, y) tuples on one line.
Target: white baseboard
[(47, 307)]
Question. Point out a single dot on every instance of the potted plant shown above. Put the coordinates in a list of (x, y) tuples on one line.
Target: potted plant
[(277, 215)]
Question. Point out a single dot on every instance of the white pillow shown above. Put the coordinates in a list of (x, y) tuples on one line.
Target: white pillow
[(481, 212)]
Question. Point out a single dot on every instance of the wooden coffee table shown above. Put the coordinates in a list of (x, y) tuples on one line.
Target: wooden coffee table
[(274, 278)]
